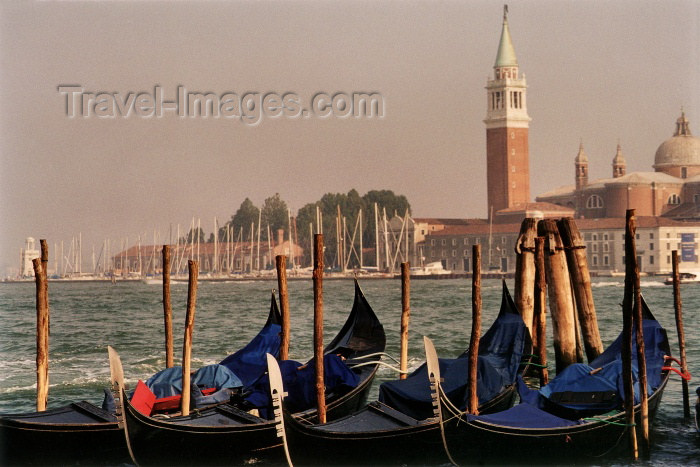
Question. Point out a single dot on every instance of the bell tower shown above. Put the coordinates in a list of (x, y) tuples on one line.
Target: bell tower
[(507, 123)]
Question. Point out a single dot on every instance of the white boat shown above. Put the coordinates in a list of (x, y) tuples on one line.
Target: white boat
[(685, 278), (430, 269)]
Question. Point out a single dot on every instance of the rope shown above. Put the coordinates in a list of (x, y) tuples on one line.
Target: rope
[(534, 364), (379, 362), (595, 419), (686, 376)]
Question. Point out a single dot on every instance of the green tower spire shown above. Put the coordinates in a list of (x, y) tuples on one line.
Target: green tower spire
[(506, 52)]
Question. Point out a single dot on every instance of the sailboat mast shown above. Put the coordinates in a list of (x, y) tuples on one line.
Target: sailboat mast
[(360, 221), (258, 253), (215, 266), (376, 233)]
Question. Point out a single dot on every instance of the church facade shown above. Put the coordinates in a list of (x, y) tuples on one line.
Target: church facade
[(666, 200), (672, 190)]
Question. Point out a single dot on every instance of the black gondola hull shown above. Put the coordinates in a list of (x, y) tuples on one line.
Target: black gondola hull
[(62, 436), (401, 440), (477, 442), (210, 437)]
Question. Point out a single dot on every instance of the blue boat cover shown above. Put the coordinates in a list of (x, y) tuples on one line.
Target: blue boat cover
[(250, 363), (500, 353), (300, 384), (168, 382), (580, 388), (525, 416)]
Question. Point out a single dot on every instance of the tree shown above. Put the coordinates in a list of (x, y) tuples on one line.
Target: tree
[(275, 214), (350, 205), (197, 233), (247, 214)]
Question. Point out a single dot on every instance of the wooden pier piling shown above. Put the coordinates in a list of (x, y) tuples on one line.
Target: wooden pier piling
[(318, 327), (167, 309), (577, 262), (281, 264), (631, 269), (42, 336), (472, 386), (525, 271), (193, 267), (405, 316), (560, 296), (539, 338), (678, 307)]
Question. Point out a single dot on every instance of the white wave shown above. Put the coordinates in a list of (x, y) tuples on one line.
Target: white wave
[(652, 284), (607, 284)]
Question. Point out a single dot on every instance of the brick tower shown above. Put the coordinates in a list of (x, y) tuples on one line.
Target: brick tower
[(507, 123)]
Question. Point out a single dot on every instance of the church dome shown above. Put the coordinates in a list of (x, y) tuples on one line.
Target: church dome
[(682, 149)]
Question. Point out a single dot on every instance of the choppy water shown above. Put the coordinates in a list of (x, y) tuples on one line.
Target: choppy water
[(86, 317)]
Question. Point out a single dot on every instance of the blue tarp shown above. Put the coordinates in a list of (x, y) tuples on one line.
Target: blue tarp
[(168, 382), (300, 384), (581, 388), (500, 353), (576, 393), (250, 362), (524, 416)]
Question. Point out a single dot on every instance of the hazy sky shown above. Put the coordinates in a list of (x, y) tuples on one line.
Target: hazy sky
[(597, 71)]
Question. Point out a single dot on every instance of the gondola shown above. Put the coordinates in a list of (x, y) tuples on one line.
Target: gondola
[(577, 417), (229, 434), (84, 433), (404, 433)]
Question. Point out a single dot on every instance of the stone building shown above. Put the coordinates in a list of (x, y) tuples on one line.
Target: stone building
[(666, 200), (672, 190)]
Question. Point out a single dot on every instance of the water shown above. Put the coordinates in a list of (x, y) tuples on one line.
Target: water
[(86, 317)]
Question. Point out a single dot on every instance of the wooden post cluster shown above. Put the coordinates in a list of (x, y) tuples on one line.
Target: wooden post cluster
[(539, 338), (678, 307), (281, 264), (193, 268), (405, 316), (631, 269), (167, 309), (318, 326), (581, 282), (560, 296), (473, 396), (525, 271)]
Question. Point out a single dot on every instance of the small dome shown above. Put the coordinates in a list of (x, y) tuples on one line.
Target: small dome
[(682, 149)]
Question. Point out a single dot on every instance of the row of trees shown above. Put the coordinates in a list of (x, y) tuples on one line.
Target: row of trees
[(275, 214)]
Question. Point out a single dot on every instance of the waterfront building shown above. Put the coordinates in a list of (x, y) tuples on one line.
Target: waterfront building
[(27, 254), (672, 190), (604, 238), (667, 200)]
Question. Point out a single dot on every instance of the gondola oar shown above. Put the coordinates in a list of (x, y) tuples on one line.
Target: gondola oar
[(433, 364), (116, 379), (277, 395)]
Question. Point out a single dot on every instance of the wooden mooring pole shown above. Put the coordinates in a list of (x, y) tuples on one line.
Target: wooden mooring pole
[(193, 267), (678, 307), (560, 296), (281, 264), (167, 309), (42, 336), (631, 269), (318, 327), (405, 316), (472, 378), (539, 338), (525, 271), (577, 262)]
